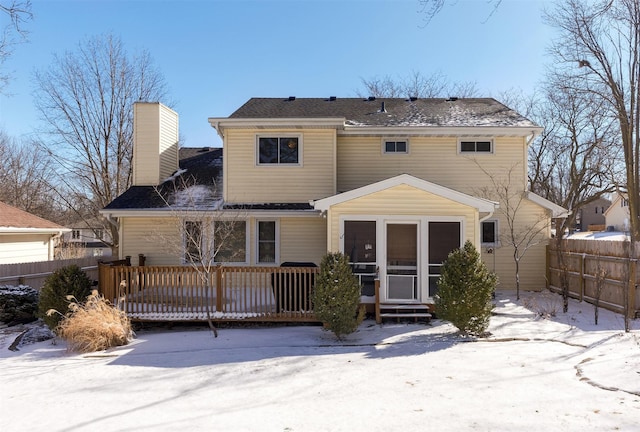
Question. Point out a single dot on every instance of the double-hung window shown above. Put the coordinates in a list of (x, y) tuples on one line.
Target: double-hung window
[(476, 146), (278, 150), (207, 241), (266, 242)]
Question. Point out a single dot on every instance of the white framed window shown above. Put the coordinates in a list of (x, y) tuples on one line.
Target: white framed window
[(75, 234), (624, 202), (267, 239), (489, 232), (393, 146), (476, 146), (221, 241), (278, 150)]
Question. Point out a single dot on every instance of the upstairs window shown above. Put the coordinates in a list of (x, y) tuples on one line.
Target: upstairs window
[(624, 202), (75, 234), (396, 147), (279, 150), (485, 146)]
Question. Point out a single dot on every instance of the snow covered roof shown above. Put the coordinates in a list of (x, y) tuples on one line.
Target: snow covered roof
[(385, 112)]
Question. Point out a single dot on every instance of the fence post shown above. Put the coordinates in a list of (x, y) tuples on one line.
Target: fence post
[(631, 303), (548, 268), (582, 260)]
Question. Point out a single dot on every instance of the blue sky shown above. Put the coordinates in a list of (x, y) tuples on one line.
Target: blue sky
[(217, 54)]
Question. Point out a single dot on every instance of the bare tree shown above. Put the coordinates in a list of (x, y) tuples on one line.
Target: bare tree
[(14, 32), (203, 235), (26, 176), (416, 85), (86, 100), (509, 192), (431, 8), (599, 49)]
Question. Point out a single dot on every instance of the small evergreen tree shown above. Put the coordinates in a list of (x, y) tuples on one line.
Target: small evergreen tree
[(336, 297), (465, 288), (66, 281)]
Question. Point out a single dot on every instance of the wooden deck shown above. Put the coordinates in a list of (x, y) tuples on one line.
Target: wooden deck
[(183, 293)]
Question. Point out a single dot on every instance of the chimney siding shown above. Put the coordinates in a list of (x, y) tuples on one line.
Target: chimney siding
[(155, 143)]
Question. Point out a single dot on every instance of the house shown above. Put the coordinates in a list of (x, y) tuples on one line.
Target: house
[(617, 215), (396, 184), (25, 237), (87, 238), (591, 216)]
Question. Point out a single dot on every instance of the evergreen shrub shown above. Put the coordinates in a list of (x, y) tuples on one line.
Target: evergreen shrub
[(465, 289), (336, 296), (70, 281)]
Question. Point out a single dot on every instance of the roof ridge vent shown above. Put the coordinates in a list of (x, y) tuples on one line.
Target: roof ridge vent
[(371, 98), (413, 98), (452, 99), (292, 98), (332, 98)]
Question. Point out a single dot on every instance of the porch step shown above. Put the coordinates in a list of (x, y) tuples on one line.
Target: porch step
[(400, 311)]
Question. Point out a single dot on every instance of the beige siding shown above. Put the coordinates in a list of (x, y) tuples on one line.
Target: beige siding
[(24, 248), (303, 239), (155, 143), (159, 239), (435, 159), (246, 182)]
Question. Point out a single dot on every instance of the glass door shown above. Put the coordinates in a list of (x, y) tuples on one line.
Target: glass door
[(444, 237), (402, 261)]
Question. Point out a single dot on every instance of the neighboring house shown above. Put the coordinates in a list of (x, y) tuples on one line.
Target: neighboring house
[(617, 215), (396, 184), (86, 239), (25, 237), (592, 214)]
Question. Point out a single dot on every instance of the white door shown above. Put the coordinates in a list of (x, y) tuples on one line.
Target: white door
[(401, 262)]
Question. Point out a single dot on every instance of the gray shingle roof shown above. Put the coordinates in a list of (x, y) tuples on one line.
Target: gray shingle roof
[(454, 112)]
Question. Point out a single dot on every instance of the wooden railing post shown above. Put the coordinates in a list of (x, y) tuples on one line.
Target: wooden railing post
[(631, 296), (548, 269), (219, 290), (376, 284), (581, 282)]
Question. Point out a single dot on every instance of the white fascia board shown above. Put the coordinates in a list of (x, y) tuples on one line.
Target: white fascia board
[(240, 213), (481, 204), (474, 131), (12, 230), (220, 123), (556, 210)]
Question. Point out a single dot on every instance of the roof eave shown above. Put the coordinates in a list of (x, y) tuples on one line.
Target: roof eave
[(556, 210), (442, 130), (222, 123)]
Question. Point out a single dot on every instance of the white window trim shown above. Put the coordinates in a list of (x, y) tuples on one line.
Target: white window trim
[(383, 146), (278, 135), (277, 241), (476, 139), (496, 243)]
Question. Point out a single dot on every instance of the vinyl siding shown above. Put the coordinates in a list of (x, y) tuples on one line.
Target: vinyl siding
[(24, 248), (159, 239), (303, 239), (435, 159), (155, 143), (246, 182)]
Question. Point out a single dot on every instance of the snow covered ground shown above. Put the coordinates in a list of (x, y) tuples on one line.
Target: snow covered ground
[(539, 374)]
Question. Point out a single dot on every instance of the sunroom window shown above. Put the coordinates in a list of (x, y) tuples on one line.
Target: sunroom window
[(278, 150)]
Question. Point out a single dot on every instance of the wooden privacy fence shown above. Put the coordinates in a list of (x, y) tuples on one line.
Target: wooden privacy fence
[(184, 293), (33, 274), (596, 271)]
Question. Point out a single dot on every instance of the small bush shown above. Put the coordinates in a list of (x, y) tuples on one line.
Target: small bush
[(336, 297), (464, 291), (18, 305), (64, 282), (94, 325)]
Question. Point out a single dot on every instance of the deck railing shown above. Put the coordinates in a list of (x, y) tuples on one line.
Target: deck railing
[(227, 293)]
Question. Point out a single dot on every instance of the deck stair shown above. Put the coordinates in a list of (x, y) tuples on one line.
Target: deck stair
[(403, 312)]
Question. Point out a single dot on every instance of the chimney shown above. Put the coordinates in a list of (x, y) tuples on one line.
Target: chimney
[(155, 143)]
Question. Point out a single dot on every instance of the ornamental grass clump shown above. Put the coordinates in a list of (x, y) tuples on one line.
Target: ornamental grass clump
[(93, 325), (464, 294), (336, 296)]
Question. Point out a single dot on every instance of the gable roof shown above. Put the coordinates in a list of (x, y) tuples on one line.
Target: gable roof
[(556, 210), (14, 220), (355, 114), (481, 204)]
